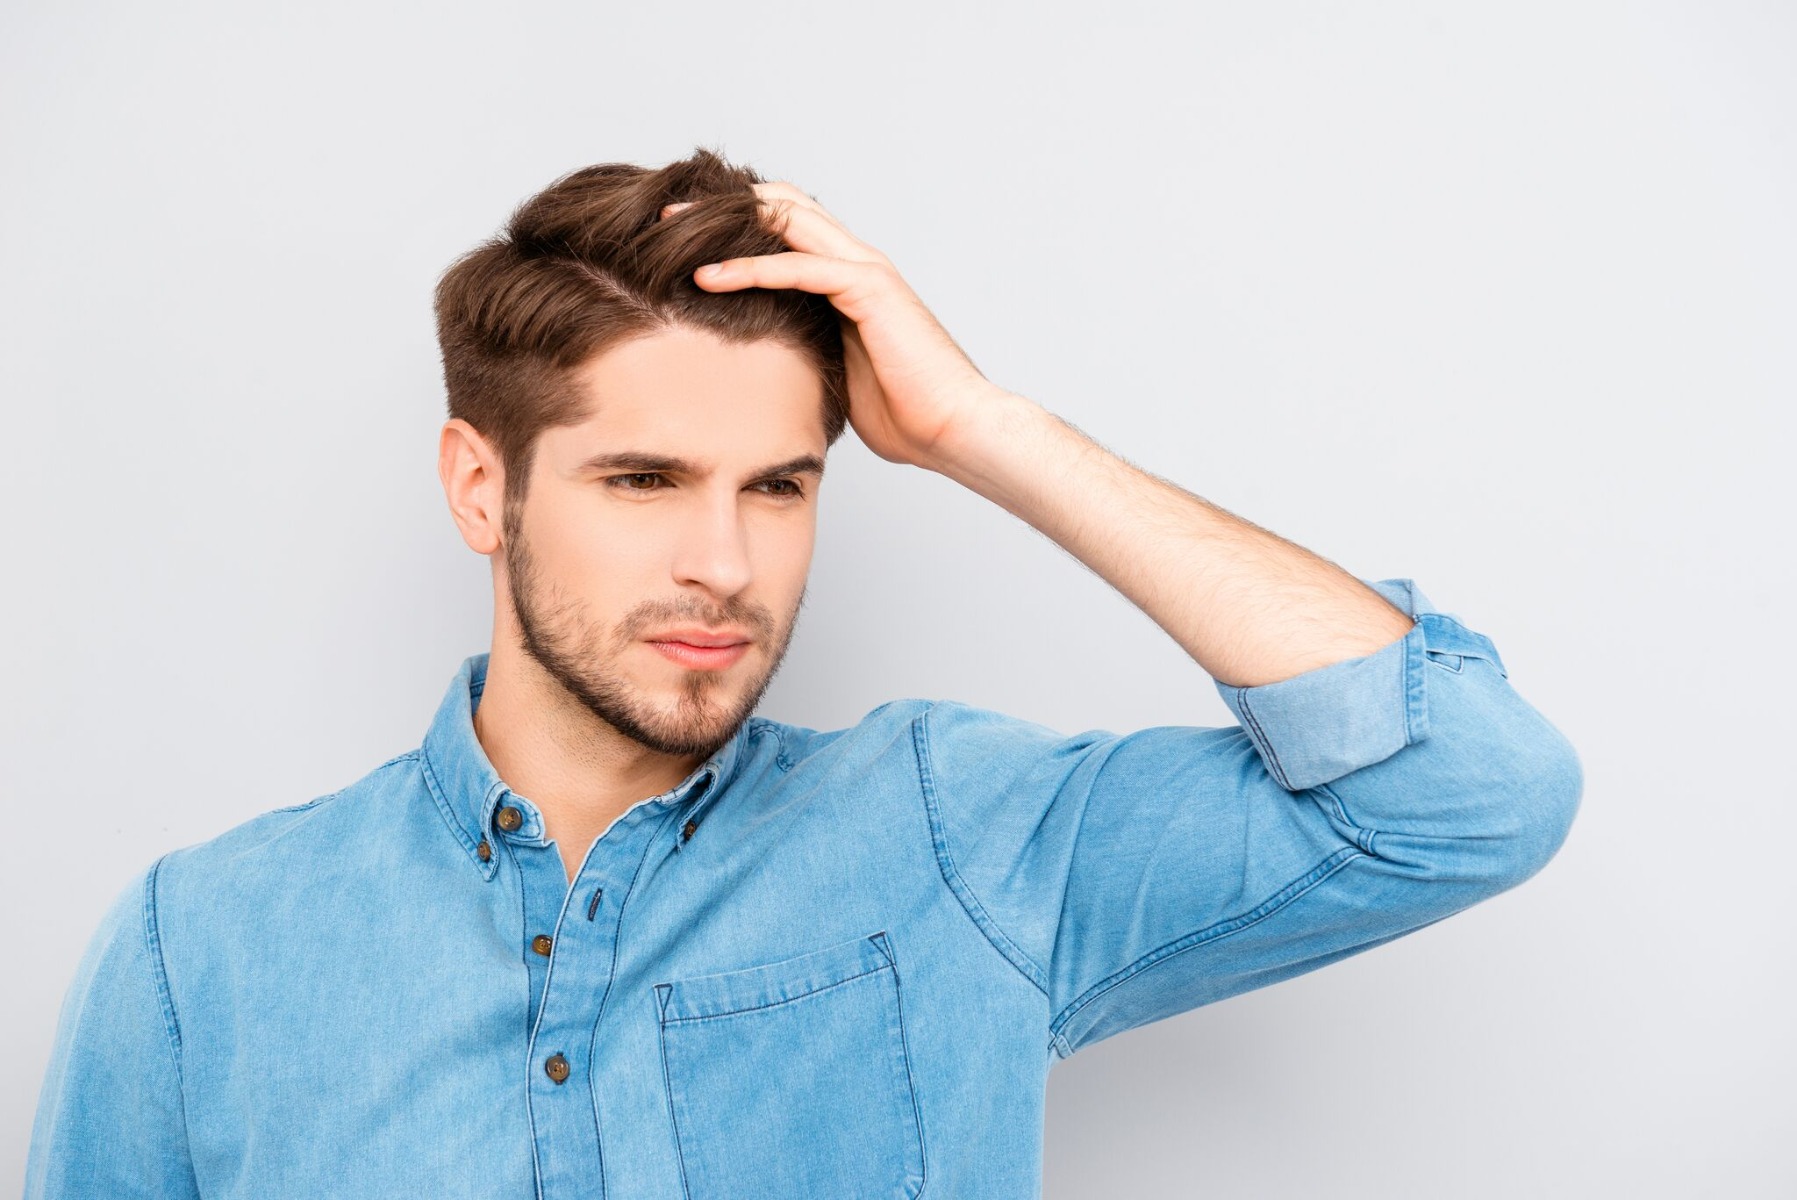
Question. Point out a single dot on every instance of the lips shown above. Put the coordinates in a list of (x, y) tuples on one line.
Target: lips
[(701, 638), (701, 658)]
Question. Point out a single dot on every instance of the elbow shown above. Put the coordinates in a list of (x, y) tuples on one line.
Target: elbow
[(1538, 807)]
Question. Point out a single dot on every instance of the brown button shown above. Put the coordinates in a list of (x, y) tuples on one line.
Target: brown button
[(688, 831), (510, 818), (485, 851), (557, 1068), (541, 943)]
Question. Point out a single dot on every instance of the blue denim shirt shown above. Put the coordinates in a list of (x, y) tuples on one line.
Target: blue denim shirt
[(835, 963)]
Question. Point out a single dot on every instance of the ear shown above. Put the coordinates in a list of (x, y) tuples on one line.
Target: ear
[(474, 484)]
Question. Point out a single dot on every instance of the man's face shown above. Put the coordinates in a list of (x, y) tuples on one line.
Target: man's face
[(606, 557)]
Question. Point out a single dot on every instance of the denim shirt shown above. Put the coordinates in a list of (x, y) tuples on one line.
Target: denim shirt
[(825, 964)]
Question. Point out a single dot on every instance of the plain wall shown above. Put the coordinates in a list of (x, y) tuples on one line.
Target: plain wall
[(1496, 297)]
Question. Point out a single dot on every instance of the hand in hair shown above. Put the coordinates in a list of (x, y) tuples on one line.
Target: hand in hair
[(909, 381)]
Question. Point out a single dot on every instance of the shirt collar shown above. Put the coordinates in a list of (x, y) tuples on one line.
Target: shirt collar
[(469, 790)]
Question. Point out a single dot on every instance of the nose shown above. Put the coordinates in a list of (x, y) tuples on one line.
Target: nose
[(713, 549)]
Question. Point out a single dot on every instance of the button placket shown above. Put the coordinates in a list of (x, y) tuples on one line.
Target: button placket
[(576, 959)]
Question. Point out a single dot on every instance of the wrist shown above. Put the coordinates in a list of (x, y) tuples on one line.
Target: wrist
[(987, 417)]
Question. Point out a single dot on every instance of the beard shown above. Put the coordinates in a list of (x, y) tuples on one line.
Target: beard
[(575, 651)]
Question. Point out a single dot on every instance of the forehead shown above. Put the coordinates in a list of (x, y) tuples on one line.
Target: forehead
[(692, 384)]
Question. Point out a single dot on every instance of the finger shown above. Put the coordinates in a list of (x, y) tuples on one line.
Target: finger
[(803, 224), (786, 198), (818, 231), (769, 192), (807, 229), (779, 189), (847, 281)]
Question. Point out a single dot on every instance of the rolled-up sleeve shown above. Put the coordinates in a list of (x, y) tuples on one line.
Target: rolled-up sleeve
[(1135, 876), (1320, 725)]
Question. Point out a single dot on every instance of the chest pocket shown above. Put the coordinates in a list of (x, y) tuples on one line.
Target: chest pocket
[(793, 1079)]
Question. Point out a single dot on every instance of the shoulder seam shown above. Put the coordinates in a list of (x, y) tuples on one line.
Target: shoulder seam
[(166, 999), (402, 756), (951, 875), (153, 936), (303, 805)]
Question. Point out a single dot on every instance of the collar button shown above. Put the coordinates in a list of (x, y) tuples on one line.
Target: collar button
[(510, 819)]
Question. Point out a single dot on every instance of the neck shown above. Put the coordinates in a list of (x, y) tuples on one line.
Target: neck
[(580, 772)]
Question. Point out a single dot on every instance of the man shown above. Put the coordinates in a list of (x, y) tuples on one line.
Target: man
[(608, 933)]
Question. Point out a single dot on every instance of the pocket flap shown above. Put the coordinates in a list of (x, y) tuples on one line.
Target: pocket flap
[(772, 983)]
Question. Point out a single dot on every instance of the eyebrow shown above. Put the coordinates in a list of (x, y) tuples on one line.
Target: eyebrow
[(639, 460)]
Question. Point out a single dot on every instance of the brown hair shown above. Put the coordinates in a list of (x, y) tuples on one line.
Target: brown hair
[(586, 264)]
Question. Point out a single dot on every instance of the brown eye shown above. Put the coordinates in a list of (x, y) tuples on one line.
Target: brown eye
[(613, 481)]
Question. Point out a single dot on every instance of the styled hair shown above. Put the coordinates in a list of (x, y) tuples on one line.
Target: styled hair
[(587, 264)]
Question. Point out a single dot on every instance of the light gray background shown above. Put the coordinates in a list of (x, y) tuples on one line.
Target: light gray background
[(1497, 297)]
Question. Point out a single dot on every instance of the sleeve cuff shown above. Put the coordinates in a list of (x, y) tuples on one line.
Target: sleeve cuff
[(1318, 726)]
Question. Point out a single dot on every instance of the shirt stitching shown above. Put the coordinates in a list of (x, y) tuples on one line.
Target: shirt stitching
[(1265, 743), (444, 808), (165, 998), (667, 1090), (611, 977), (755, 1008), (1210, 933), (951, 875), (152, 933), (761, 725)]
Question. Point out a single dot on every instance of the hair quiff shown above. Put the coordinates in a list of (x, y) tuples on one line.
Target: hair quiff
[(587, 264)]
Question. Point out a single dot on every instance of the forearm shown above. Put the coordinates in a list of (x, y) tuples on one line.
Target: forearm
[(1249, 606)]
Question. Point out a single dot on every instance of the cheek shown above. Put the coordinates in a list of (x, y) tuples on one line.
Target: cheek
[(584, 568), (783, 555)]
